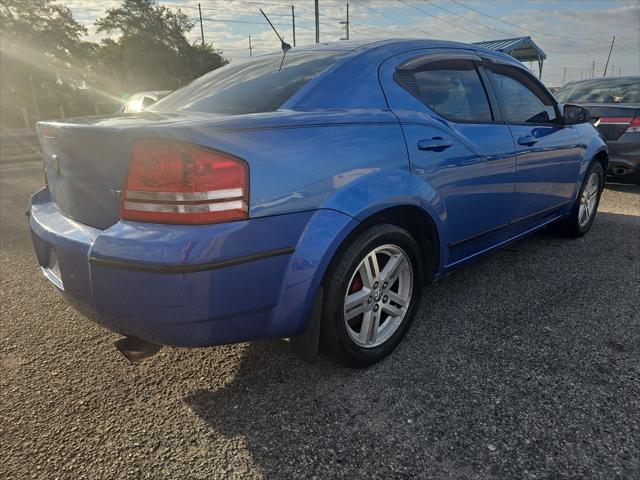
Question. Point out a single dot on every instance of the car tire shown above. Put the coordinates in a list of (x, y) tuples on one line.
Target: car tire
[(584, 210), (367, 309)]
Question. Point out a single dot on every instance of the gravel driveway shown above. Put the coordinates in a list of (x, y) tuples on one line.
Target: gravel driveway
[(525, 364)]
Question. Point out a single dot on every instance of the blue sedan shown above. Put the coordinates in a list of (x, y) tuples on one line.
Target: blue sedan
[(308, 195)]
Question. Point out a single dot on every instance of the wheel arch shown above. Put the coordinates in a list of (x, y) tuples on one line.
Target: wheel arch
[(411, 217), (603, 157), (414, 219)]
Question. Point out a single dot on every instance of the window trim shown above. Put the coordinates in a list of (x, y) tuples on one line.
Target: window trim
[(485, 66), (417, 64)]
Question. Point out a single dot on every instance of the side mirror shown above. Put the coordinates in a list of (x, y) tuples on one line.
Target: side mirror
[(573, 114)]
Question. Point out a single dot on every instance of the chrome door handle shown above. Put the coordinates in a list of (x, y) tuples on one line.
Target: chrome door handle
[(436, 143), (527, 140)]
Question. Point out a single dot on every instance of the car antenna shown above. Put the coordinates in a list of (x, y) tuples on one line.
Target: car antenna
[(284, 45)]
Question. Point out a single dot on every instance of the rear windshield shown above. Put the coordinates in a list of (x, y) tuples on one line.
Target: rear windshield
[(260, 85), (619, 90)]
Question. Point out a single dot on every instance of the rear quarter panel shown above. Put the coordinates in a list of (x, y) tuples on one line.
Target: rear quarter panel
[(346, 167), (592, 144), (353, 164)]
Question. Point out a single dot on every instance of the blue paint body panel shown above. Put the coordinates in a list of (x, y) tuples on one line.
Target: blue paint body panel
[(340, 150)]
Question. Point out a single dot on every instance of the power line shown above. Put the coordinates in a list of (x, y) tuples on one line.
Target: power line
[(466, 19), (520, 27), (437, 18), (492, 28), (248, 22), (381, 12)]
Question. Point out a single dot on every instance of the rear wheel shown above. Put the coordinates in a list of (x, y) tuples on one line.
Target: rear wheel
[(584, 210), (371, 294)]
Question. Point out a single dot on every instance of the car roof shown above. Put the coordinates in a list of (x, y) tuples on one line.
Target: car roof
[(393, 46), (602, 79), (360, 70)]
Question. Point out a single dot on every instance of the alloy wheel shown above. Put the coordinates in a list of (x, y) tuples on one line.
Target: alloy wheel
[(588, 200), (378, 296)]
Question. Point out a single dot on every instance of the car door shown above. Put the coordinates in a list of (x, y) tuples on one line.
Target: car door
[(548, 153), (462, 157)]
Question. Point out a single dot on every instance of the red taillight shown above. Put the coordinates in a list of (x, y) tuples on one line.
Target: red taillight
[(634, 126), (177, 182), (615, 120)]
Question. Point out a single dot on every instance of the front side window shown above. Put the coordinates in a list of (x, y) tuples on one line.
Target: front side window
[(451, 88), (259, 85), (522, 99)]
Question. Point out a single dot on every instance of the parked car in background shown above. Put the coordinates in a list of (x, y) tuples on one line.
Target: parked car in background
[(308, 195), (614, 104), (140, 101)]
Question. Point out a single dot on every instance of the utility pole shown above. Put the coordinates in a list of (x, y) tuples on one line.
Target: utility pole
[(610, 50), (317, 22), (564, 74), (593, 68), (346, 25), (293, 23), (250, 48), (201, 27)]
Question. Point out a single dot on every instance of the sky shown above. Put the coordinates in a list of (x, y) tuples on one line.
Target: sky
[(576, 35)]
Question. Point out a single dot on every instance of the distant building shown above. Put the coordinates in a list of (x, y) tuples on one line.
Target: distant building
[(521, 48)]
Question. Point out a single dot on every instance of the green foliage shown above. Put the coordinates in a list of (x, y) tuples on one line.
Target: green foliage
[(152, 51), (45, 60), (41, 47)]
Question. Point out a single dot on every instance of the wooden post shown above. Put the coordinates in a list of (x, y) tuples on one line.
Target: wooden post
[(25, 117), (293, 24), (609, 57), (317, 14), (34, 97)]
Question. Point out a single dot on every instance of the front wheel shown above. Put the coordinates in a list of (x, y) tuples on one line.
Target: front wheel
[(584, 210), (371, 294)]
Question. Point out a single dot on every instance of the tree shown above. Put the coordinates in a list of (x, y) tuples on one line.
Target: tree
[(41, 57), (152, 51), (46, 65)]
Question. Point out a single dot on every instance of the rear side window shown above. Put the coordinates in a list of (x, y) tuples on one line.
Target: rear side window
[(451, 88), (260, 85), (522, 99)]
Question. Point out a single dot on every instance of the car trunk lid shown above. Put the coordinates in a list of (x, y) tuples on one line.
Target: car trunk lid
[(611, 119), (86, 161)]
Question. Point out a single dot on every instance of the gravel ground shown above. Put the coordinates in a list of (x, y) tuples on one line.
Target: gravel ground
[(524, 365)]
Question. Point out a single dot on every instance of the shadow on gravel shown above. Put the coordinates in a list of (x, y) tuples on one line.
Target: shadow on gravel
[(515, 367), (628, 186)]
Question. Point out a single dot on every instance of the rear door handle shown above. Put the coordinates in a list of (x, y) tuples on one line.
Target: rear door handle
[(527, 140), (437, 144)]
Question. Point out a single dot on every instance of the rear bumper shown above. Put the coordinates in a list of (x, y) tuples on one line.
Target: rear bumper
[(624, 154), (190, 285)]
